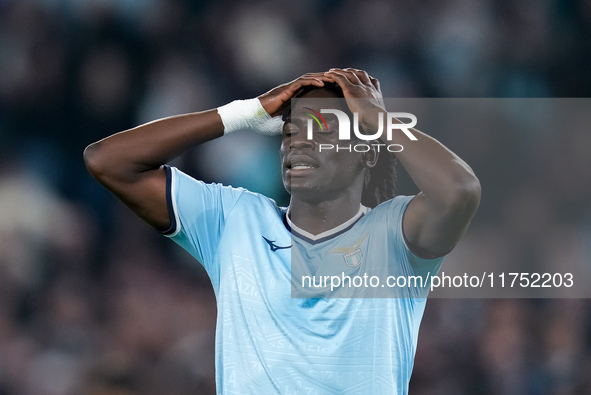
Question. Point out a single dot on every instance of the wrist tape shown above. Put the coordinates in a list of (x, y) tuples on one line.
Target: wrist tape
[(249, 115)]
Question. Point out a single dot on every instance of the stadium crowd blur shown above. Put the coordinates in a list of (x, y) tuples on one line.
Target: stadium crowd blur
[(92, 301)]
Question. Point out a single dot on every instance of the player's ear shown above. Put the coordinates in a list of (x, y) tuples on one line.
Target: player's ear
[(370, 158)]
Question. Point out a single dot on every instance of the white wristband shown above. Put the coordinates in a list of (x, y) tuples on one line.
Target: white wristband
[(249, 115)]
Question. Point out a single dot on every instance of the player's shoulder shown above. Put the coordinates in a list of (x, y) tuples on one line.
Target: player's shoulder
[(249, 200), (391, 206), (189, 186), (256, 198)]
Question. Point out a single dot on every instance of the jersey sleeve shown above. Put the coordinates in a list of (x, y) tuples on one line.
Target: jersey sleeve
[(198, 213), (416, 265)]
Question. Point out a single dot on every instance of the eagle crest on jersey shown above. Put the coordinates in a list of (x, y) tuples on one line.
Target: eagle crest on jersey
[(353, 255)]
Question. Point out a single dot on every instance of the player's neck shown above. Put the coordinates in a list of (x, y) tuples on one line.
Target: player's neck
[(319, 217)]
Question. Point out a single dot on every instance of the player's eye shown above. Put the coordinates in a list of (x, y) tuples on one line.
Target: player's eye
[(290, 129)]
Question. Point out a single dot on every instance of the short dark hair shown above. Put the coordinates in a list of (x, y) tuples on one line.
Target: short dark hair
[(380, 182)]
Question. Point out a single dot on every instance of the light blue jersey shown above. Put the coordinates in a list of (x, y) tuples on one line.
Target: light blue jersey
[(268, 342)]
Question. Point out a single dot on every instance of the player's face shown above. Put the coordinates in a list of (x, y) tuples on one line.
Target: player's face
[(310, 170)]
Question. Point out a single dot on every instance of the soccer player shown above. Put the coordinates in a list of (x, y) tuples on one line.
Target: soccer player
[(342, 216)]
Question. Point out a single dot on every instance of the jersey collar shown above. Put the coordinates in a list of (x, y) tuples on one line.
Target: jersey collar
[(326, 235)]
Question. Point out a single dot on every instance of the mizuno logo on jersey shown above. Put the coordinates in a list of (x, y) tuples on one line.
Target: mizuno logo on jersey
[(274, 247), (353, 256)]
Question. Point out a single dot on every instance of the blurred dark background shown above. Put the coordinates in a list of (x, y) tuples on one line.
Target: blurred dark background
[(92, 301)]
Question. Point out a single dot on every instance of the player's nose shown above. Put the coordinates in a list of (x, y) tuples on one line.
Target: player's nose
[(300, 142)]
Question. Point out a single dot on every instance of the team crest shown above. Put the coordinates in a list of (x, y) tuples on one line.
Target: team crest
[(353, 256), (353, 259)]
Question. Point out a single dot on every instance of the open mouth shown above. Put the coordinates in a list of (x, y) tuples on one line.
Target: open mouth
[(300, 167), (300, 162)]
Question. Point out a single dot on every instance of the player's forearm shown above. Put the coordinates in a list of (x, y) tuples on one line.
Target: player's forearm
[(445, 180), (151, 145), (443, 177)]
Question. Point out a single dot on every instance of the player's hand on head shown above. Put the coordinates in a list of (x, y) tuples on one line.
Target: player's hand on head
[(275, 100), (357, 84)]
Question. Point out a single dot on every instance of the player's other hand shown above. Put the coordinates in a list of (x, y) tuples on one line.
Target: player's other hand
[(357, 84), (275, 100)]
